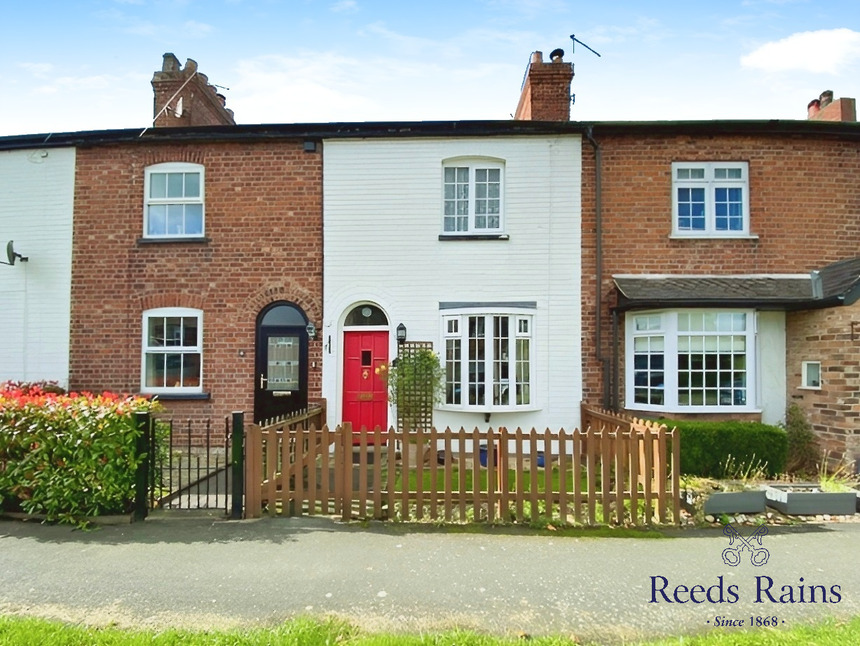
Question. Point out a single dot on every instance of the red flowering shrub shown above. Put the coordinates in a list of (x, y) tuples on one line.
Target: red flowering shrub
[(67, 456)]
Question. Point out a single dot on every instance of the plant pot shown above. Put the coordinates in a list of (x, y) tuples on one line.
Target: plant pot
[(482, 457), (748, 501), (808, 499)]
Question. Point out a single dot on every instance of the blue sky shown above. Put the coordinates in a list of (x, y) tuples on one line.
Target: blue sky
[(87, 64)]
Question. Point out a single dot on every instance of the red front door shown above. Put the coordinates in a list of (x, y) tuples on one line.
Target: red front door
[(365, 393)]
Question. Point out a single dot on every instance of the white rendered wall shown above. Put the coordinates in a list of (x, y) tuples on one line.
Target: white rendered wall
[(36, 205), (771, 352), (382, 220)]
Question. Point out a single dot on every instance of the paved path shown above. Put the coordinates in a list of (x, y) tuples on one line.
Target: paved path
[(214, 573)]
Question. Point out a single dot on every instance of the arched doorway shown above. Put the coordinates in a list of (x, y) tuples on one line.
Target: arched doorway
[(281, 378), (365, 343)]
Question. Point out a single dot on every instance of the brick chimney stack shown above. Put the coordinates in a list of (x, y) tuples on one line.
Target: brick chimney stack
[(183, 97), (824, 108), (545, 93)]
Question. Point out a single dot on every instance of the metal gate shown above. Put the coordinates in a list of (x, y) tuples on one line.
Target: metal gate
[(190, 465)]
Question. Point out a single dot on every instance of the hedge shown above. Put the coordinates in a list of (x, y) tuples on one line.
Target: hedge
[(705, 446), (67, 456)]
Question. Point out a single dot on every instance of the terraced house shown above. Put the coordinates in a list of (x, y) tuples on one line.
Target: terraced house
[(662, 268), (721, 269)]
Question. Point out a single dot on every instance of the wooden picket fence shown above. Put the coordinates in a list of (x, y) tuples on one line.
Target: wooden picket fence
[(616, 471)]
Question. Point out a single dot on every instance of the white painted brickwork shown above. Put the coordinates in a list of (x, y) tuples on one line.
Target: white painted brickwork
[(36, 204), (383, 218)]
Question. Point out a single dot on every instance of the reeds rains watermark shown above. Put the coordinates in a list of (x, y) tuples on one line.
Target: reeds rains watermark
[(761, 589)]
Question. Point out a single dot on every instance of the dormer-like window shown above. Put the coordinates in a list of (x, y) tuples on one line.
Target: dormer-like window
[(473, 200), (173, 201)]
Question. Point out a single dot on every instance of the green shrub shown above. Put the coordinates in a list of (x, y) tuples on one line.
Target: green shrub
[(804, 452), (67, 457), (706, 446)]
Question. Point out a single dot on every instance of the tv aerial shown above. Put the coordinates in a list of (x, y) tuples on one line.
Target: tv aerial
[(575, 40), (12, 255)]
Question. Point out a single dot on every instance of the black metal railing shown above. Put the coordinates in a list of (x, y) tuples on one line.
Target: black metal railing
[(190, 465)]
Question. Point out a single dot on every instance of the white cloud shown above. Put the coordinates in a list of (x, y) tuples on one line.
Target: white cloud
[(529, 8), (345, 6), (98, 82), (196, 29), (313, 88), (827, 51), (39, 70), (642, 29)]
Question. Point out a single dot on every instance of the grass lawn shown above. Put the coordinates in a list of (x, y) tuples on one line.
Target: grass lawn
[(310, 632)]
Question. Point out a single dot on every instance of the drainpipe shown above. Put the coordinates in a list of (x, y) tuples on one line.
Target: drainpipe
[(614, 403), (598, 226)]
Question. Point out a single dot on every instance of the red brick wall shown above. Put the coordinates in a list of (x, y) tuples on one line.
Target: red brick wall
[(804, 203), (263, 221), (834, 410)]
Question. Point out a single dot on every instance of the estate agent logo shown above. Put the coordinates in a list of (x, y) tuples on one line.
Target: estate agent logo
[(732, 555)]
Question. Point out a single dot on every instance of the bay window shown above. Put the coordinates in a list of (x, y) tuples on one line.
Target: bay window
[(488, 361), (692, 360)]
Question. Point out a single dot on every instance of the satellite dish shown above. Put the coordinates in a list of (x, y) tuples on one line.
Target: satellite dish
[(11, 254)]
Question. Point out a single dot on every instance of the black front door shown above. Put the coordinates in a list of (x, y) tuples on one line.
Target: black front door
[(281, 376)]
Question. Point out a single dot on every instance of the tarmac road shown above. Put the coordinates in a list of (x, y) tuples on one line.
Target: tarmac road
[(209, 573)]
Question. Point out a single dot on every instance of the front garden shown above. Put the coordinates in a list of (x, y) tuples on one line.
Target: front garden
[(756, 473), (71, 457)]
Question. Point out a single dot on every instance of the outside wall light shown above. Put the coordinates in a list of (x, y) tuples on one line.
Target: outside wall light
[(401, 333), (312, 330)]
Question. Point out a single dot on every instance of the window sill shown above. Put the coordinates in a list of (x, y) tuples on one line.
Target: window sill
[(445, 237), (812, 388), (178, 396), (697, 410), (178, 239), (712, 236), (489, 410)]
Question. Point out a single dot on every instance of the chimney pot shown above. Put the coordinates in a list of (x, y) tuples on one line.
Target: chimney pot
[(826, 98), (813, 108), (537, 57), (170, 63), (556, 55)]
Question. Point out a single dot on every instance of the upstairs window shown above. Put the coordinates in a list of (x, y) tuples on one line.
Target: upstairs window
[(174, 201), (472, 198), (710, 199)]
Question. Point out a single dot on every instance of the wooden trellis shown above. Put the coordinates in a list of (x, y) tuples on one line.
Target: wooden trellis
[(417, 398)]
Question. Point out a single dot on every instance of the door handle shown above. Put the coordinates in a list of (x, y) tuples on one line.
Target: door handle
[(263, 381)]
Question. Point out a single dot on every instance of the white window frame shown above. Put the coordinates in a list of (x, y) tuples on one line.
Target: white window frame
[(514, 387), (807, 374), (472, 166), (148, 348), (181, 201), (663, 325), (710, 177)]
